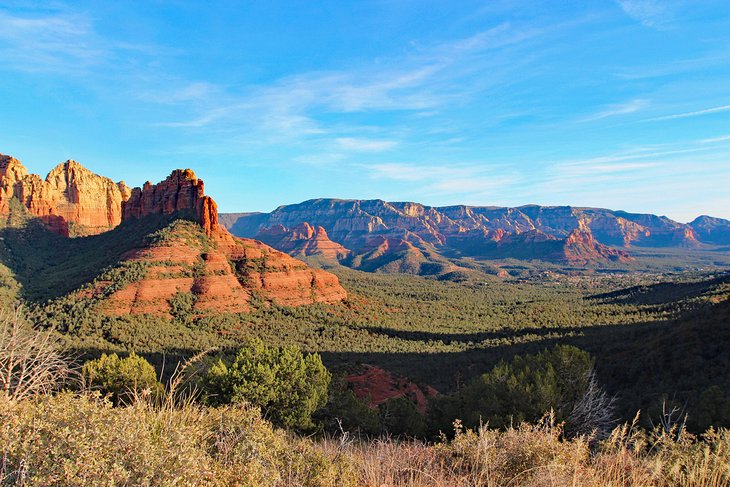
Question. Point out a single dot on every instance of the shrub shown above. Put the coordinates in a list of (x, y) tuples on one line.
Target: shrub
[(401, 417), (287, 385), (122, 378), (528, 387)]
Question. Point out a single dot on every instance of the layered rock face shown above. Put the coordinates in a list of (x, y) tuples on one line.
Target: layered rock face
[(349, 221), (303, 240), (221, 274), (71, 199), (712, 230), (561, 234), (581, 247), (182, 191)]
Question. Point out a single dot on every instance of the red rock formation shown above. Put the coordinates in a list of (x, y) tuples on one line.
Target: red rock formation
[(221, 271), (182, 191), (303, 240), (71, 196), (222, 276), (581, 247), (377, 385), (483, 232)]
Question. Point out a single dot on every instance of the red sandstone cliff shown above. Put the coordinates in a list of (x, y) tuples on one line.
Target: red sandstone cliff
[(221, 271), (71, 199), (182, 191), (222, 274)]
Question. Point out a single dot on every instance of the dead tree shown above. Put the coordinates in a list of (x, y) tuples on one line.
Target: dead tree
[(594, 414)]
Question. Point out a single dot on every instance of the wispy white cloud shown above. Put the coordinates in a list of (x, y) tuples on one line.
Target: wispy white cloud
[(365, 145), (466, 181), (590, 169), (715, 140), (415, 173), (58, 39), (650, 13), (696, 113), (184, 93), (631, 106), (320, 159), (48, 42), (424, 80)]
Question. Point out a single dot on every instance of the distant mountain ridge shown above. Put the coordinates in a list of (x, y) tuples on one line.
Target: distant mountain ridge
[(564, 234)]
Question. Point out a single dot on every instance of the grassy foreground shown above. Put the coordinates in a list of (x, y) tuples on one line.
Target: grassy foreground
[(81, 439)]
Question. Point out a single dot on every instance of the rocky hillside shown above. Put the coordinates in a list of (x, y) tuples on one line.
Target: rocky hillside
[(168, 233), (712, 230), (303, 240)]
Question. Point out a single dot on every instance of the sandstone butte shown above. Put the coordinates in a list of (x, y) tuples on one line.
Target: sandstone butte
[(229, 270), (471, 230)]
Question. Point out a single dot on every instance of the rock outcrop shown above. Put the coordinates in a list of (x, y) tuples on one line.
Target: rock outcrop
[(376, 386), (581, 247), (303, 240), (712, 230), (221, 274), (181, 192), (71, 199)]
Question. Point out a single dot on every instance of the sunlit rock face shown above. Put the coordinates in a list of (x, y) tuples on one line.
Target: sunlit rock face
[(71, 199)]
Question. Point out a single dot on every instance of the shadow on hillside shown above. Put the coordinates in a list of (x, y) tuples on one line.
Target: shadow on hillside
[(509, 334), (446, 371), (681, 356), (48, 265), (662, 292), (642, 364)]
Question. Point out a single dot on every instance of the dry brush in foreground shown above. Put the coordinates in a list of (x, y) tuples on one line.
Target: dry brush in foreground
[(81, 439)]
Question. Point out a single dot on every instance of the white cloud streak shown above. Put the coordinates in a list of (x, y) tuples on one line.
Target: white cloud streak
[(696, 113), (365, 145), (629, 107)]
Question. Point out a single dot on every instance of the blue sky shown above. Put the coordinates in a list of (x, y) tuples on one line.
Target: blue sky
[(620, 104)]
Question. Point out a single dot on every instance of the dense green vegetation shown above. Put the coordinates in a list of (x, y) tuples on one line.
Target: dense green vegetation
[(654, 338), (55, 437), (122, 379), (287, 385), (522, 390)]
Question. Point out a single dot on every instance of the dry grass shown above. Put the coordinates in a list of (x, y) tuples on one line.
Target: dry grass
[(80, 439)]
